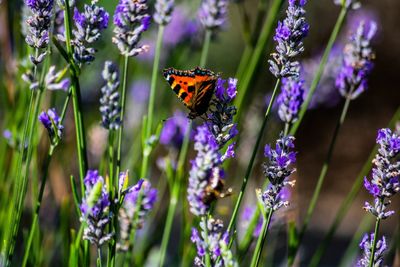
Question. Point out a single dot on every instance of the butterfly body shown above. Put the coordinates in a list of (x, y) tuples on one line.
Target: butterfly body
[(194, 88)]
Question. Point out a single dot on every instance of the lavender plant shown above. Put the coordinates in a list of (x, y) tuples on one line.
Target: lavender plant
[(212, 243), (138, 202), (351, 82), (289, 37), (277, 170), (290, 100), (88, 27), (383, 185), (109, 102)]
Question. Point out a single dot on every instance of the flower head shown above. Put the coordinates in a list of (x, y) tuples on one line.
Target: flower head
[(95, 209), (131, 19), (357, 62), (214, 241), (205, 171), (366, 246), (88, 27), (213, 13), (163, 12), (277, 170), (109, 102), (385, 174), (52, 122), (290, 99), (289, 36), (138, 202), (38, 26)]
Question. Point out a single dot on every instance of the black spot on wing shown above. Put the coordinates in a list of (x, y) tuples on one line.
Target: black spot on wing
[(171, 80), (191, 88), (183, 95), (177, 88)]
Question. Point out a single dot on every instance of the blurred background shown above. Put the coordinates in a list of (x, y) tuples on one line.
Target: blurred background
[(182, 45)]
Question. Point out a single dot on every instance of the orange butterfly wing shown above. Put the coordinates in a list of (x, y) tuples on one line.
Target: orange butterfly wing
[(194, 88)]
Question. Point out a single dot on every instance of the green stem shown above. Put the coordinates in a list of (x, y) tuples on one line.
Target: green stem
[(76, 101), (231, 226), (38, 205), (320, 181), (99, 257), (123, 102), (22, 178), (321, 67), (256, 57), (346, 204), (175, 195), (261, 240), (352, 250), (206, 46), (150, 111), (371, 259)]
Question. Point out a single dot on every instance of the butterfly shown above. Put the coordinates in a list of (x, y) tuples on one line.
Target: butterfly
[(194, 88)]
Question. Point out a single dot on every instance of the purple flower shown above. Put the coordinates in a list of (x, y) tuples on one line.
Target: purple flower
[(38, 26), (53, 80), (214, 241), (95, 209), (366, 246), (213, 13), (109, 102), (88, 27), (277, 170), (290, 99), (289, 36), (138, 202), (163, 12), (357, 62), (52, 122), (205, 171), (385, 174), (220, 120), (174, 130), (131, 20)]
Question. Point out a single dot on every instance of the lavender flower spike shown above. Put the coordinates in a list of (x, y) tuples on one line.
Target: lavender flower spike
[(205, 169), (131, 19), (290, 99), (38, 26), (289, 37), (52, 123), (213, 13), (277, 170), (89, 25), (163, 12), (95, 209), (174, 130), (138, 202), (385, 174), (366, 247), (357, 62), (214, 241), (109, 102), (383, 185)]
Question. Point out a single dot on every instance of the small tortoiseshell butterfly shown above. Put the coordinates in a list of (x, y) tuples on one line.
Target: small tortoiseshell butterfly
[(194, 88)]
